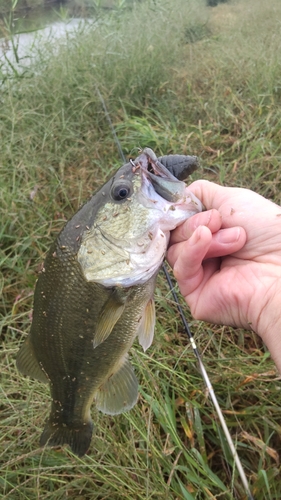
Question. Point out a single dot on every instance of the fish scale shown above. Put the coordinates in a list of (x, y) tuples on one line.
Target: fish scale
[(94, 296), (70, 399)]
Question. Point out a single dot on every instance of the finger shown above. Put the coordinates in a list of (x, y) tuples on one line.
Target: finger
[(204, 301), (226, 242), (189, 269), (210, 218), (186, 257)]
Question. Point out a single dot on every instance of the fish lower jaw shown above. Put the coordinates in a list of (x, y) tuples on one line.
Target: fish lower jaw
[(140, 265), (134, 279)]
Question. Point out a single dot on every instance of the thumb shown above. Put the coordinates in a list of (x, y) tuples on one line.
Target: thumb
[(210, 194)]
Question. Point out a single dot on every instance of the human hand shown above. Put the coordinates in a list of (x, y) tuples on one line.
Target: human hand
[(227, 261)]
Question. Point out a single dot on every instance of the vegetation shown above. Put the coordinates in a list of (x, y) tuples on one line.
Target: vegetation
[(180, 78), (26, 8)]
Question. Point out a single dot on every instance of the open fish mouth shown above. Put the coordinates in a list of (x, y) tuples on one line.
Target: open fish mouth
[(156, 174), (127, 241)]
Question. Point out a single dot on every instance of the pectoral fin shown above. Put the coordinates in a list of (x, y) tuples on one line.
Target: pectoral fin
[(120, 392), (27, 363), (109, 316), (147, 325)]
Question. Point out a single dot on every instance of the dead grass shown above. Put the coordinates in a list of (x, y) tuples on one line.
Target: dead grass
[(219, 98)]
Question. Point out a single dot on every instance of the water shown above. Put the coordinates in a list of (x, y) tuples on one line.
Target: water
[(21, 50)]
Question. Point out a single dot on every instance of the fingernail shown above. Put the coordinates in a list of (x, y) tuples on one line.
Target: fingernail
[(229, 235), (203, 220), (196, 236)]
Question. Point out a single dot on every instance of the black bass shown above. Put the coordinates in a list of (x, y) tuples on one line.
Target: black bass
[(94, 295)]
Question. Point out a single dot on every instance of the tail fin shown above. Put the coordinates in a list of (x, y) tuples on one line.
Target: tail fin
[(78, 437)]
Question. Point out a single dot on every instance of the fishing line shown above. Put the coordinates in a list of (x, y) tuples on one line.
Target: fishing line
[(111, 126), (210, 389), (190, 336)]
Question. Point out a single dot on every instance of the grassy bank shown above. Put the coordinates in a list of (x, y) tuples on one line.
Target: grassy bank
[(26, 8), (181, 78)]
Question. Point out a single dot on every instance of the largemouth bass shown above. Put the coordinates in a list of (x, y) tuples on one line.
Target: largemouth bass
[(94, 295)]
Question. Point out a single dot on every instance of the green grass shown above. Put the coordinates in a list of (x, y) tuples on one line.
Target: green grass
[(180, 78)]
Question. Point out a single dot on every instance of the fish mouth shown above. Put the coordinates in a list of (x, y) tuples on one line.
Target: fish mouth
[(155, 173)]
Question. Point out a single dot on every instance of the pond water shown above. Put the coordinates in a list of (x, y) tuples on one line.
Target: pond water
[(20, 49)]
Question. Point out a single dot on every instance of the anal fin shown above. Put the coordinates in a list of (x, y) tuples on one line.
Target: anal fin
[(27, 363), (120, 392)]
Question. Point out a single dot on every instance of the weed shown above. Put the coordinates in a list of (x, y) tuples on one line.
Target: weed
[(219, 98)]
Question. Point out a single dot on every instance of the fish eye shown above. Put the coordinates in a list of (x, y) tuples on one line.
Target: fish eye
[(121, 190)]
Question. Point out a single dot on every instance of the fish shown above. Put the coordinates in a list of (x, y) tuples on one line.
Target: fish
[(94, 295)]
